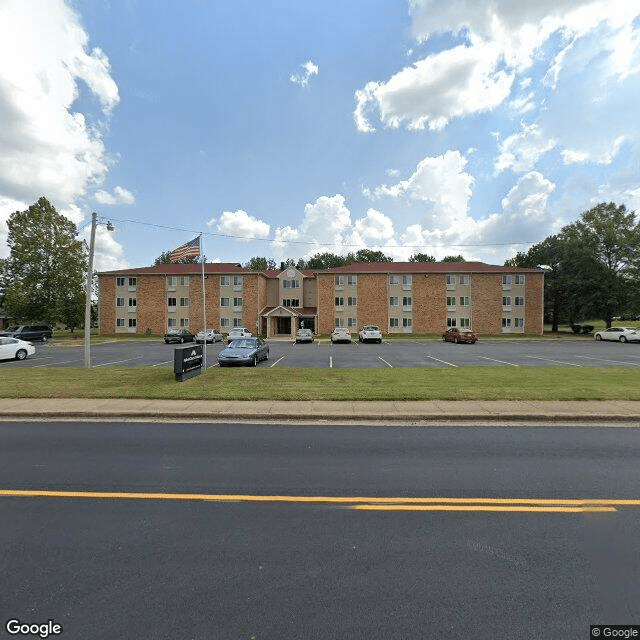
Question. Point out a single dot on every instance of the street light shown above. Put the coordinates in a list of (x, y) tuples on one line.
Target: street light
[(87, 307)]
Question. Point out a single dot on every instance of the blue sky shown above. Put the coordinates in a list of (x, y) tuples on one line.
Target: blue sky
[(285, 128)]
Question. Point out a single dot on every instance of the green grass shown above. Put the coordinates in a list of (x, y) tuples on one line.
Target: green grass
[(469, 383)]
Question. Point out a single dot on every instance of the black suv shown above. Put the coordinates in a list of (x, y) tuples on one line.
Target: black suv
[(29, 332)]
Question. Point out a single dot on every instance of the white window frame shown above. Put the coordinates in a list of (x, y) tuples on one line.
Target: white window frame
[(451, 322), (465, 323), (224, 323), (338, 282), (120, 323), (225, 281), (352, 280), (519, 279), (338, 303), (394, 323), (394, 301), (451, 302), (338, 322), (172, 323), (225, 302), (352, 301), (352, 322), (407, 303), (464, 279), (464, 301), (450, 279), (119, 302), (120, 281), (407, 323), (518, 301), (394, 279)]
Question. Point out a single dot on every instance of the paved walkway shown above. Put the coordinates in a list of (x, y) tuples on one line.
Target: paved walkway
[(609, 411)]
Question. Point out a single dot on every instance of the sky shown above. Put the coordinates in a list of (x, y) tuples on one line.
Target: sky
[(287, 128)]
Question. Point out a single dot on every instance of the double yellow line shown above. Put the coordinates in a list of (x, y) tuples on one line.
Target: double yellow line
[(530, 505)]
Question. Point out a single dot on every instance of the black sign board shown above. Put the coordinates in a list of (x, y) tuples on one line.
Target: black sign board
[(187, 361)]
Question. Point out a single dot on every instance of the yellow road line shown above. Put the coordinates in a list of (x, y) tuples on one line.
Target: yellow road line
[(361, 502), (479, 507)]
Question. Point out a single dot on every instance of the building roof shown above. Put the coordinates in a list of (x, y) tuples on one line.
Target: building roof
[(176, 269), (425, 267)]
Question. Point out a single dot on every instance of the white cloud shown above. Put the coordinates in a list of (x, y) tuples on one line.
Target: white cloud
[(241, 225), (303, 78), (120, 195), (521, 151)]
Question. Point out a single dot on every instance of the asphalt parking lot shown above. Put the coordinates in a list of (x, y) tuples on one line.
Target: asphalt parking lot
[(394, 353)]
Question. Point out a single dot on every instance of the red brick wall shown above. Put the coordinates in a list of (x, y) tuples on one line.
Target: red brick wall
[(372, 300), (486, 302), (151, 304), (326, 303), (534, 303), (429, 303), (107, 304)]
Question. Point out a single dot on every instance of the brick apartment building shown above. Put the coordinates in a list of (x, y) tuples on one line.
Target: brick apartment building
[(399, 297)]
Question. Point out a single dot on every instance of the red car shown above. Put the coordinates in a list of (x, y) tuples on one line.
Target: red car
[(459, 335)]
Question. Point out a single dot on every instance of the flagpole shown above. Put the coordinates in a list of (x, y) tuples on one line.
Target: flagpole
[(204, 308)]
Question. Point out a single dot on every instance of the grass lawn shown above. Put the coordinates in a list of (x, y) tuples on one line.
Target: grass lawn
[(469, 383)]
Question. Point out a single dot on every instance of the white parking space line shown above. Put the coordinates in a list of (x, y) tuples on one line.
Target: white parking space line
[(630, 364), (330, 362), (159, 364), (278, 360), (443, 361), (55, 363), (500, 361), (383, 360), (106, 364), (570, 364)]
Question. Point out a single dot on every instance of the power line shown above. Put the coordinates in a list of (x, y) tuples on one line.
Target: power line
[(319, 244)]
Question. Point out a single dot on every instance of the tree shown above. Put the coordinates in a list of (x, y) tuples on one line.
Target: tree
[(421, 257), (260, 264), (325, 260), (46, 269), (369, 255), (457, 258), (165, 258)]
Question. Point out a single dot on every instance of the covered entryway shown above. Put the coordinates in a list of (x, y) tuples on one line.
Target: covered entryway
[(285, 321)]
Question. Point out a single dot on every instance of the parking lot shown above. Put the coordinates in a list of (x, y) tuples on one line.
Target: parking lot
[(391, 353)]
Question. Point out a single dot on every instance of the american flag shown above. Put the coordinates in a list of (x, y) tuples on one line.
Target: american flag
[(186, 250)]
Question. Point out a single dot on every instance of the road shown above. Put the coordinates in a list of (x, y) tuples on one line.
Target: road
[(265, 531)]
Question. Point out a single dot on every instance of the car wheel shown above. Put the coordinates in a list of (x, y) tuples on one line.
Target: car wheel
[(21, 354), (455, 341), (598, 337), (44, 338), (623, 339)]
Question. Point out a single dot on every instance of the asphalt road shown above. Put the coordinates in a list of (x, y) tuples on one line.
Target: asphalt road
[(400, 353), (482, 532)]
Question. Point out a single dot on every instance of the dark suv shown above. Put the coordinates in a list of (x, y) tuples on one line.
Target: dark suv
[(29, 332)]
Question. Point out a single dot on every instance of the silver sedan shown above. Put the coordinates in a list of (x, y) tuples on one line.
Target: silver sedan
[(244, 351), (619, 334)]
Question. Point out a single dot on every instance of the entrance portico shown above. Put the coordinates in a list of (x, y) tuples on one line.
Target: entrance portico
[(285, 321)]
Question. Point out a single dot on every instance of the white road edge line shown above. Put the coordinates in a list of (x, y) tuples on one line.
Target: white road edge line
[(629, 364), (570, 364), (501, 361), (35, 366), (161, 363), (443, 361), (383, 360)]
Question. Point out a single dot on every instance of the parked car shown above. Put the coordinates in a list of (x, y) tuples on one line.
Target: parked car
[(370, 333), (459, 335), (14, 348), (340, 334), (244, 351), (304, 335), (238, 332), (29, 332), (209, 336), (621, 334), (179, 335)]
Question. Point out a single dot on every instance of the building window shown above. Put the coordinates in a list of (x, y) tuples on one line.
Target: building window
[(339, 300), (506, 302), (338, 281), (291, 302), (451, 322), (132, 323), (352, 280), (464, 279), (464, 323), (407, 323), (184, 302), (464, 301), (237, 304), (225, 281), (519, 301), (451, 281), (407, 303), (339, 322), (171, 304), (237, 322), (184, 322), (506, 281), (518, 279), (394, 279), (291, 284), (224, 302), (224, 322), (119, 322), (518, 322), (394, 322), (133, 282), (237, 281), (119, 282), (352, 301), (394, 301), (172, 322), (451, 301), (172, 281), (132, 304), (184, 281), (506, 323), (406, 282), (352, 322), (119, 302)]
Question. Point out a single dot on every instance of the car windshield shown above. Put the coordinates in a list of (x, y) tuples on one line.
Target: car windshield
[(243, 344), (370, 328)]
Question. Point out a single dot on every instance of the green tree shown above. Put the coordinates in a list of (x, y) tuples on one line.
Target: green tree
[(325, 260), (457, 258), (46, 269), (165, 258), (260, 264), (421, 257), (369, 255)]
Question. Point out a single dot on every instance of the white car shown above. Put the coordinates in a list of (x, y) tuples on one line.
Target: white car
[(370, 333), (14, 348), (340, 334), (620, 334), (210, 335), (238, 332)]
